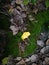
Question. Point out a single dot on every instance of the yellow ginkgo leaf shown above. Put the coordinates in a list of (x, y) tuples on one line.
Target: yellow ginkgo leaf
[(25, 35)]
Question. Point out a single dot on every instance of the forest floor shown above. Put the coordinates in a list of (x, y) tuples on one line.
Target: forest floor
[(34, 28)]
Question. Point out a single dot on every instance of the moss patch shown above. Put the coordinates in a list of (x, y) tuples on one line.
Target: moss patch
[(34, 28)]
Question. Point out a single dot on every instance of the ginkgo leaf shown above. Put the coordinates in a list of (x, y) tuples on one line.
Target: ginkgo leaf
[(25, 35)]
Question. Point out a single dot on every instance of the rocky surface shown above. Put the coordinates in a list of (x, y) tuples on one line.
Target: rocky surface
[(18, 16), (19, 13)]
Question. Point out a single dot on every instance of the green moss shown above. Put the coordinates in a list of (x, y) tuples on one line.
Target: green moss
[(33, 1), (33, 27), (47, 3), (12, 46)]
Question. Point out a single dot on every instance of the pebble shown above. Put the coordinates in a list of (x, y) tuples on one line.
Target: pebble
[(40, 43), (47, 42), (34, 58), (14, 29), (47, 49), (47, 60), (18, 58), (22, 62), (42, 50), (27, 59)]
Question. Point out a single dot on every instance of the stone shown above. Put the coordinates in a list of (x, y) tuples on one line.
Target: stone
[(47, 60), (47, 49), (14, 29), (40, 43), (34, 58), (42, 50), (18, 58), (22, 62), (47, 42), (27, 59)]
